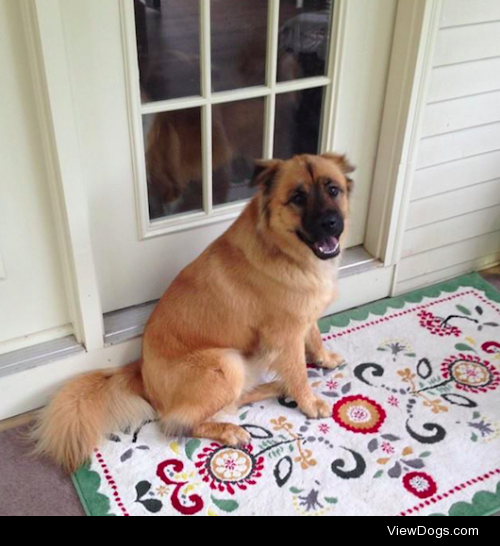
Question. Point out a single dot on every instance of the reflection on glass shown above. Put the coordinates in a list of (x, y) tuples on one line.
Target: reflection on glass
[(168, 43), (298, 123), (239, 38), (305, 29), (174, 162), (238, 129)]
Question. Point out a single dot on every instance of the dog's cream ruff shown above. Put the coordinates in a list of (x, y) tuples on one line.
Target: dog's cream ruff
[(414, 430)]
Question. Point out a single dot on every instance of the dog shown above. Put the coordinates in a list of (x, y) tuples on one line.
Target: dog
[(247, 305)]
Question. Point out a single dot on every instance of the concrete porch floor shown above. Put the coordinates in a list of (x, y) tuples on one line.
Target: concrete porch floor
[(32, 487)]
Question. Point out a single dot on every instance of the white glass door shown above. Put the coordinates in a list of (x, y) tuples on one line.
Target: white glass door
[(175, 99)]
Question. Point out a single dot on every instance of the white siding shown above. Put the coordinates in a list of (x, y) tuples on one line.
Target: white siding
[(455, 204), (440, 234), (439, 275), (461, 80), (458, 145), (453, 254), (461, 113), (32, 296), (468, 12), (453, 223), (458, 174), (467, 43)]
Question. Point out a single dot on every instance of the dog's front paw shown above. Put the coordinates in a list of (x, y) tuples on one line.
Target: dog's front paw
[(330, 360), (235, 436), (316, 409)]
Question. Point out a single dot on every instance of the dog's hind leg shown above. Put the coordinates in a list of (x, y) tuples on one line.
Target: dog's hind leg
[(262, 392), (201, 387)]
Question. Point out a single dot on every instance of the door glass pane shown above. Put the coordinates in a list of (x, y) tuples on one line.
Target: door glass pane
[(168, 43), (174, 162), (238, 130), (298, 122), (239, 38), (304, 35)]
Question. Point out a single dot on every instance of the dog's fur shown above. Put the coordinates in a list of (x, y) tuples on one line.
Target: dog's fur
[(248, 304)]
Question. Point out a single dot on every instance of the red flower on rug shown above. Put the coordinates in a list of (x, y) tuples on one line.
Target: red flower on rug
[(420, 484), (324, 428), (186, 505), (359, 414), (470, 373), (225, 468), (492, 347), (393, 401), (437, 326)]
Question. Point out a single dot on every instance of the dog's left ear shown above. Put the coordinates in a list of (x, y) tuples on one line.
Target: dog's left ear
[(344, 164), (265, 172)]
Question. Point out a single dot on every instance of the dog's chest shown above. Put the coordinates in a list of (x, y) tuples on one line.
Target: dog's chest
[(309, 304), (327, 291)]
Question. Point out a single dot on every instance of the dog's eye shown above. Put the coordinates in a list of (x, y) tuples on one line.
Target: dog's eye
[(333, 191), (299, 198)]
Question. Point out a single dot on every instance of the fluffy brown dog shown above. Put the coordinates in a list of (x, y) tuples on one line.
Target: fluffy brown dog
[(248, 304)]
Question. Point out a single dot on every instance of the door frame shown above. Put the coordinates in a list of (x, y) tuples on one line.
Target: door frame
[(45, 41), (411, 61)]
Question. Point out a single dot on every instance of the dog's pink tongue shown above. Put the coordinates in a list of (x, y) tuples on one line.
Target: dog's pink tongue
[(329, 246)]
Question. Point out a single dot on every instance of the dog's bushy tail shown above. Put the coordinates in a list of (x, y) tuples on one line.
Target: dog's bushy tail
[(79, 415)]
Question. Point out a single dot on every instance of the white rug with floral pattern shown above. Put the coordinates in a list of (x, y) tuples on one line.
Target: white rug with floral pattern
[(414, 429)]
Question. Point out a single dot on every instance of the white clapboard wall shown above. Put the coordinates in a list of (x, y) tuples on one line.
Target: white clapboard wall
[(453, 224)]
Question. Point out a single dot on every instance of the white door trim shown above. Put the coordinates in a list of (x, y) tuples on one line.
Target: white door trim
[(31, 389), (335, 70), (47, 53), (417, 24)]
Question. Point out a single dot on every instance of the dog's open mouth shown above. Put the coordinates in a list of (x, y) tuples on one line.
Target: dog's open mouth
[(326, 249)]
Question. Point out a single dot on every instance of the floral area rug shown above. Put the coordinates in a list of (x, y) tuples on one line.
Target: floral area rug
[(414, 429)]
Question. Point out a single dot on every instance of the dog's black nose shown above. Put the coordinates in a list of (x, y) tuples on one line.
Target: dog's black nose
[(331, 222)]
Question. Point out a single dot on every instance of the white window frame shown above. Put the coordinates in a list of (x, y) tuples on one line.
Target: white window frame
[(205, 101)]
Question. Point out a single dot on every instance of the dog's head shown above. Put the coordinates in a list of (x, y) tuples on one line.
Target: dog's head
[(305, 201)]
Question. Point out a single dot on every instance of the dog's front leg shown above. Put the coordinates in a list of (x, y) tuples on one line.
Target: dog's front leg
[(292, 369), (316, 352)]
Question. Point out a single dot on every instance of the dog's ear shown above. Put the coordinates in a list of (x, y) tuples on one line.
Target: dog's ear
[(345, 166), (341, 161), (265, 173)]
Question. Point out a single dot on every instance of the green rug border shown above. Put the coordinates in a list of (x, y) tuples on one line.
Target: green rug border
[(380, 308), (87, 482), (484, 503)]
